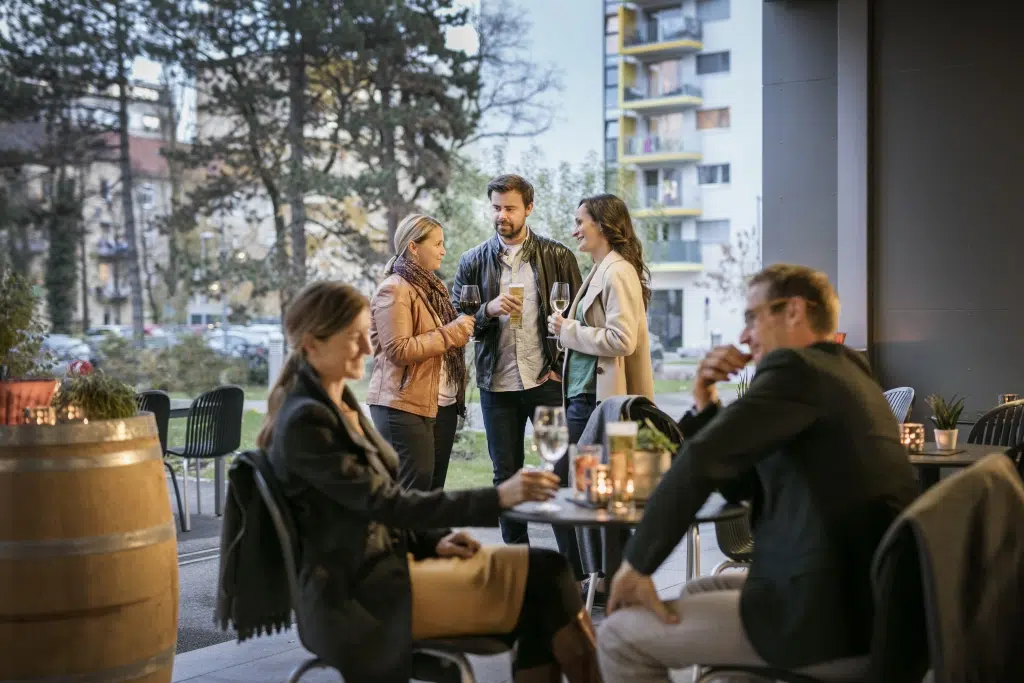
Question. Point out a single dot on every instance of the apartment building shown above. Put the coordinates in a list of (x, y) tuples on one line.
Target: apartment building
[(682, 102), (103, 296)]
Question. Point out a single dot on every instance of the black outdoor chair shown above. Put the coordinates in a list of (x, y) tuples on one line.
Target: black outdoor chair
[(1001, 426), (159, 403), (429, 654), (901, 402), (213, 429)]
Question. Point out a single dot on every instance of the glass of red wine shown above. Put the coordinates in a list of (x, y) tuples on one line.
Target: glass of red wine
[(469, 299)]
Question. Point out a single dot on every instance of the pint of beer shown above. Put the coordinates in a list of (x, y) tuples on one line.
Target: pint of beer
[(516, 290)]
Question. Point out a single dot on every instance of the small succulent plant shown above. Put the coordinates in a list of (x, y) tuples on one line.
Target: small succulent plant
[(945, 413)]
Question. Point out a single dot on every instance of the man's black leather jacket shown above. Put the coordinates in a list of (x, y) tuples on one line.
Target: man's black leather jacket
[(552, 262)]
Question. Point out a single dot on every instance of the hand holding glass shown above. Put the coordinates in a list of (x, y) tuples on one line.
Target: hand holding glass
[(559, 299)]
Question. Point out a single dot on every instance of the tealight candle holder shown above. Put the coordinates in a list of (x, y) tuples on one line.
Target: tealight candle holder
[(599, 485), (41, 415), (912, 437), (71, 413)]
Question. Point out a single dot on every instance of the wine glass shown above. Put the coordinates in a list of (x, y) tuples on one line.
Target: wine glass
[(559, 299), (469, 299), (551, 434)]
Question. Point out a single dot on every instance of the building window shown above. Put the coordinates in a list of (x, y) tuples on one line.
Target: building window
[(611, 141), (150, 122), (146, 195), (713, 118), (611, 87), (665, 316), (713, 174), (712, 10), (611, 35), (714, 232), (713, 63)]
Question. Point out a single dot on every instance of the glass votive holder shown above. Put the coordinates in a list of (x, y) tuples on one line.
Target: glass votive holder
[(1008, 398), (912, 437), (41, 415), (599, 485), (71, 413), (581, 464)]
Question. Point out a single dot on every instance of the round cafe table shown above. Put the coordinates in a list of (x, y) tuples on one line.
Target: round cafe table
[(571, 514)]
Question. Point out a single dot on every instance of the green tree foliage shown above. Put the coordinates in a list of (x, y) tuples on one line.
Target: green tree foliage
[(61, 261)]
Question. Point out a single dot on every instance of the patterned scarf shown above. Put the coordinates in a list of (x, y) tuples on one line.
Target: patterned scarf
[(437, 298)]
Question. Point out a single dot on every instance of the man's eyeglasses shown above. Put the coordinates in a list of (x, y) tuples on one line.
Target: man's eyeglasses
[(750, 315)]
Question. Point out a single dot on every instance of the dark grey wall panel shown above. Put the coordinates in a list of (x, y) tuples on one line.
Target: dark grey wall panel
[(799, 183), (948, 198)]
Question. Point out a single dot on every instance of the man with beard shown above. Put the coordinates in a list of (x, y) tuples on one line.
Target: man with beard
[(516, 362)]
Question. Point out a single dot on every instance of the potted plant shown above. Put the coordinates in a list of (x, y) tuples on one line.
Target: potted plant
[(651, 458), (742, 384), (23, 381), (93, 395), (945, 416)]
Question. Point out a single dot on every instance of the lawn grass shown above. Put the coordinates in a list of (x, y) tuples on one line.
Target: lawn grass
[(470, 465), (252, 393)]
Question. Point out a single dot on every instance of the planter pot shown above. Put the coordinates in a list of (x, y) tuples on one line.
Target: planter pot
[(945, 439), (648, 467), (18, 394), (88, 553)]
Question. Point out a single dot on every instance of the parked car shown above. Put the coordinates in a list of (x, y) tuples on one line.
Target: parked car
[(65, 349)]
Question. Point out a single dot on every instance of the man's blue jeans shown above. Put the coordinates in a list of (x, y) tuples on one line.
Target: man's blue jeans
[(505, 415)]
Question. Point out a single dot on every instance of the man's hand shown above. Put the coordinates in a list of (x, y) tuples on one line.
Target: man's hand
[(457, 544), (503, 305), (721, 363), (631, 588), (554, 377)]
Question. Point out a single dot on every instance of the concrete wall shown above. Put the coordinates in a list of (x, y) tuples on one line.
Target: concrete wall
[(944, 168), (948, 164), (799, 149)]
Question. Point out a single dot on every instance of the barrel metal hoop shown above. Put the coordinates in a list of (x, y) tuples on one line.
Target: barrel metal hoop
[(77, 463), (88, 545), (127, 672)]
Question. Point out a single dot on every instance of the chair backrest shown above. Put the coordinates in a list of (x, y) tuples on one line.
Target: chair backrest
[(948, 578), (279, 513), (638, 409), (1001, 426), (158, 403), (901, 401), (214, 424)]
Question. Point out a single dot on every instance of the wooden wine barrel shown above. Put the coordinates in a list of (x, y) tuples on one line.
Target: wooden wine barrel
[(88, 554)]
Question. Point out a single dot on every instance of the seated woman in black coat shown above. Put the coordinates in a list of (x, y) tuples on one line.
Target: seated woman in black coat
[(378, 567)]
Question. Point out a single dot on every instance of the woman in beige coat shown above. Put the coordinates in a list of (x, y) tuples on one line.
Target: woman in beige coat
[(608, 349)]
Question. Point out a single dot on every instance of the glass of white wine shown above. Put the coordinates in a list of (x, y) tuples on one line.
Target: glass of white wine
[(551, 434), (559, 299)]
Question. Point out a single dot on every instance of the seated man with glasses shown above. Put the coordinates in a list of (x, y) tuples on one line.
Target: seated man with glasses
[(815, 448)]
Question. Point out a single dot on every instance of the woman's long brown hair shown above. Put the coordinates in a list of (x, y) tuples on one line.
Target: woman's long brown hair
[(320, 310), (612, 214)]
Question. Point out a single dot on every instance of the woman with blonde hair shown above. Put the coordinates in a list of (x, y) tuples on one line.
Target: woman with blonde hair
[(377, 567), (418, 384)]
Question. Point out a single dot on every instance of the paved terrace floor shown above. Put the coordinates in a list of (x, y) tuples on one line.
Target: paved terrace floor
[(270, 659)]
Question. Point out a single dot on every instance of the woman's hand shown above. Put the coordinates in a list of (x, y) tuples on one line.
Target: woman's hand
[(463, 326), (527, 485), (457, 544), (555, 321)]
